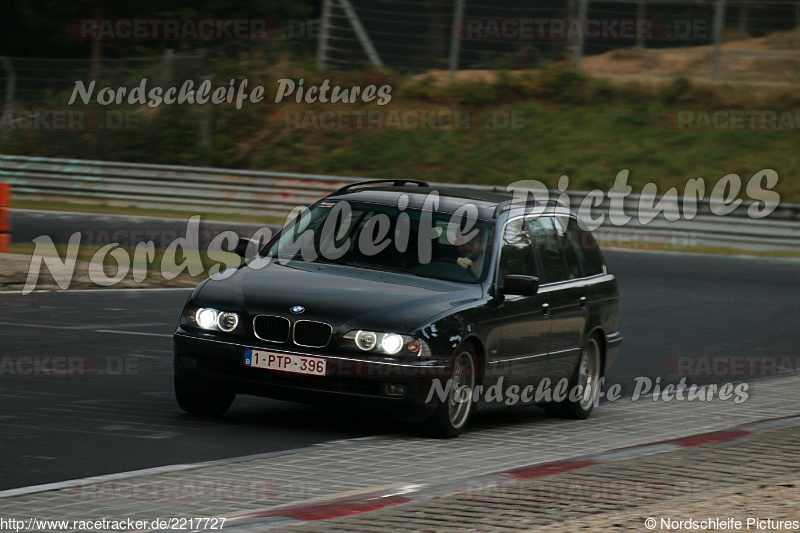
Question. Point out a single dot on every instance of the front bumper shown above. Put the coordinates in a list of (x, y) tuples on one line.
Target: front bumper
[(218, 364)]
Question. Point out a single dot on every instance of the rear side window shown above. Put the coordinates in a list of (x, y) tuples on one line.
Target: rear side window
[(574, 267), (585, 248), (546, 239)]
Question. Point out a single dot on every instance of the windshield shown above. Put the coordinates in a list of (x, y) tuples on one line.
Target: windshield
[(452, 247)]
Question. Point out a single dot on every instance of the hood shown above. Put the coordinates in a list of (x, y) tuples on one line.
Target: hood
[(343, 296)]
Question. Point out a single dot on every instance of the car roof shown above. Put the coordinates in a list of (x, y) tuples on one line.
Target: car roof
[(490, 203)]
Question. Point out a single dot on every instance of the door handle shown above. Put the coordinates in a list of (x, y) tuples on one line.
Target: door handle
[(582, 302), (545, 309)]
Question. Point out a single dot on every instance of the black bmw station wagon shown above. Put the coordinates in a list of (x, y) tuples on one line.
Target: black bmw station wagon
[(423, 302)]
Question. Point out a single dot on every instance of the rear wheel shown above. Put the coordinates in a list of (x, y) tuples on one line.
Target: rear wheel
[(202, 402), (452, 414), (587, 378)]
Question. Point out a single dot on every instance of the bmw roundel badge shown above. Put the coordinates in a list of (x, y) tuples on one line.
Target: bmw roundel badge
[(297, 309)]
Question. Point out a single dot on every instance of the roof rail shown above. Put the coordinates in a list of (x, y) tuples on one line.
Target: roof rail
[(394, 182), (506, 205)]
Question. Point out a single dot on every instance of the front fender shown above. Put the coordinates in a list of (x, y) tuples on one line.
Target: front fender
[(448, 332)]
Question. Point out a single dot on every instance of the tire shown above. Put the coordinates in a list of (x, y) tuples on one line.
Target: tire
[(451, 416), (202, 402), (587, 372)]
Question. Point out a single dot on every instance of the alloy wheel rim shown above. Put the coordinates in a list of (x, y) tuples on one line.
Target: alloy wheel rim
[(589, 374), (460, 401)]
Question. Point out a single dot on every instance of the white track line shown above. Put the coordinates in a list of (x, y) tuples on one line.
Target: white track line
[(93, 328), (132, 333)]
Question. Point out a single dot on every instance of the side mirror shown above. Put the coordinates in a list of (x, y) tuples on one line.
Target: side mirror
[(515, 285), (241, 247)]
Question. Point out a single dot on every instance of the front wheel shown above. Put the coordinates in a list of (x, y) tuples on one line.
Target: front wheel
[(586, 379), (452, 414), (198, 401)]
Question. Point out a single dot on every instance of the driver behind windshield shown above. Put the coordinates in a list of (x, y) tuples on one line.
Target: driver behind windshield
[(471, 251)]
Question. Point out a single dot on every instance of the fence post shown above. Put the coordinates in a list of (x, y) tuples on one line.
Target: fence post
[(719, 22), (324, 36), (744, 18), (166, 74), (11, 87), (206, 120), (455, 38), (5, 223), (361, 33), (640, 14), (797, 23), (583, 9)]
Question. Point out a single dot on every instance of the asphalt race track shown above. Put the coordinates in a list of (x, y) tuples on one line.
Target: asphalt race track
[(112, 409)]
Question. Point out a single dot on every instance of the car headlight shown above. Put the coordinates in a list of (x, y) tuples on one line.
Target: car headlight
[(388, 343), (210, 319), (366, 340), (391, 343), (206, 318)]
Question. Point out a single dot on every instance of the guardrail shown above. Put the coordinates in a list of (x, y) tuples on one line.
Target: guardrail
[(183, 188), (5, 224), (165, 186)]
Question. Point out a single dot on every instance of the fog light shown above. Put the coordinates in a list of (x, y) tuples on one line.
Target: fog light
[(394, 391)]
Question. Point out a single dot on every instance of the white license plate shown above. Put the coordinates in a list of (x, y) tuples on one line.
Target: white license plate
[(299, 364)]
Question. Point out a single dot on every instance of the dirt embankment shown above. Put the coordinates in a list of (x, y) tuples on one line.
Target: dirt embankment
[(771, 60)]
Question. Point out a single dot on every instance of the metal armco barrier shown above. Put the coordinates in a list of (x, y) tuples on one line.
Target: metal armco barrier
[(5, 224), (164, 186), (208, 190)]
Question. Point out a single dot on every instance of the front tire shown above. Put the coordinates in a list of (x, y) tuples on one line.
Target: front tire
[(451, 416), (202, 402), (586, 376)]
